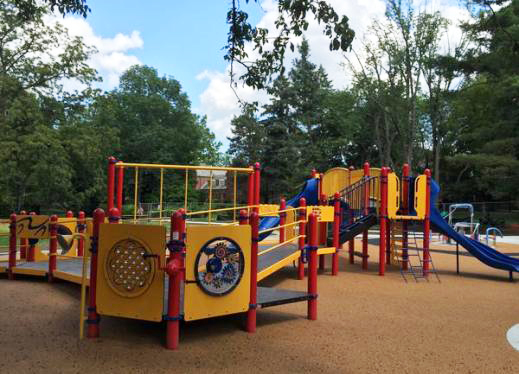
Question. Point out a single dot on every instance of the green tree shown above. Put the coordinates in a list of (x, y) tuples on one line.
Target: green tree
[(154, 124), (33, 162), (248, 136)]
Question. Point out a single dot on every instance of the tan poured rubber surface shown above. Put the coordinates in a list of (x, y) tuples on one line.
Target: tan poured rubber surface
[(365, 324)]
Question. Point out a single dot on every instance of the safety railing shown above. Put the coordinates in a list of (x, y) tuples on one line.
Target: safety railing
[(362, 197)]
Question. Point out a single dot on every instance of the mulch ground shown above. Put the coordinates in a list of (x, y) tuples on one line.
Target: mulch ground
[(366, 323)]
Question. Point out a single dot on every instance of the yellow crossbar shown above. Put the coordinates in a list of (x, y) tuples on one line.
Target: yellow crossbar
[(183, 167)]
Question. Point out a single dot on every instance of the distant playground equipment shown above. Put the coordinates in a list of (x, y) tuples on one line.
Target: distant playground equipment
[(464, 227), (492, 233), (174, 267)]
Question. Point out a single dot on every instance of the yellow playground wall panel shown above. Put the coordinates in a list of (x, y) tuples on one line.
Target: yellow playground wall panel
[(324, 213), (127, 284), (197, 303), (393, 195), (335, 180), (269, 209), (36, 227), (420, 195)]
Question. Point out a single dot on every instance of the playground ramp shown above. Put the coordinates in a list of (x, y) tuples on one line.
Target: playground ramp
[(483, 253)]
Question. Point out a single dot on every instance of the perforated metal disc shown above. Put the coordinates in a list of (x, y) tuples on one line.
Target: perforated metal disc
[(219, 266), (128, 272)]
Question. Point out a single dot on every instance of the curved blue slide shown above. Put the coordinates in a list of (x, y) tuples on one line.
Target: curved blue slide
[(309, 192), (483, 253)]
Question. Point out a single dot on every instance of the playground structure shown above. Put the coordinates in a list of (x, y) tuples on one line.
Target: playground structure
[(193, 270)]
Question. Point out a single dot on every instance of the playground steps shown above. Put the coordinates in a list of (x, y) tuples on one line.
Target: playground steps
[(413, 259)]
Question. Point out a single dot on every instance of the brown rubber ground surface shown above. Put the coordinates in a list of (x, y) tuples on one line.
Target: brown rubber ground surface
[(366, 324)]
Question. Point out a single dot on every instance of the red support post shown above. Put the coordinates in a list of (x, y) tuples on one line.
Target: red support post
[(383, 221), (243, 219), (322, 230), (110, 183), (175, 269), (120, 182), (81, 228), (31, 249), (366, 212), (93, 317), (12, 245), (427, 225), (405, 209), (302, 239), (114, 215), (257, 184), (312, 267), (251, 313), (23, 242), (53, 246), (336, 227), (282, 220)]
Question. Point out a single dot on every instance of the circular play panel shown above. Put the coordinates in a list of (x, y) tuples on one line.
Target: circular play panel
[(129, 270), (219, 266)]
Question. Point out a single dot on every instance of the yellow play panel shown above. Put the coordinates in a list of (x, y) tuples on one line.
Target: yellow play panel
[(129, 283), (217, 271)]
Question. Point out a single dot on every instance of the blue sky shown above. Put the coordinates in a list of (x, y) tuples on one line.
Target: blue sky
[(181, 38)]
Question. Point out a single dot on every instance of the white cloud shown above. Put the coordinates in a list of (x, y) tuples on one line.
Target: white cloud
[(113, 55)]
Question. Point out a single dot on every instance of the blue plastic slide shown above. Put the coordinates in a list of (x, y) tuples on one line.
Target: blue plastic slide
[(483, 253), (309, 192)]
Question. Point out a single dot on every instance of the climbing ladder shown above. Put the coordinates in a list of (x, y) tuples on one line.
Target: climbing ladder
[(414, 259)]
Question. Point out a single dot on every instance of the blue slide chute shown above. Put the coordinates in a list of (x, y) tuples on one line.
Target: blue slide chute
[(309, 192), (483, 253)]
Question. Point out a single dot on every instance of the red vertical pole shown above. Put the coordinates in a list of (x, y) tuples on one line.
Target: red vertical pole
[(336, 226), (81, 228), (93, 317), (302, 239), (405, 206), (114, 215), (257, 184), (322, 230), (427, 225), (53, 246), (366, 212), (23, 242), (120, 182), (383, 221), (175, 270), (110, 183), (312, 268), (282, 220), (243, 218), (251, 313), (31, 249), (12, 245)]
